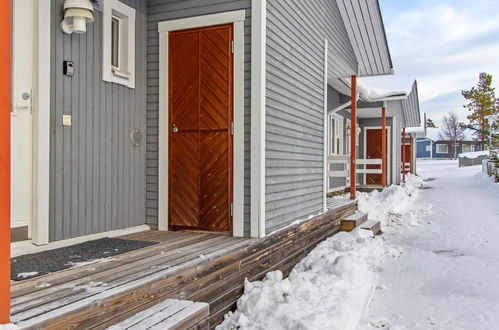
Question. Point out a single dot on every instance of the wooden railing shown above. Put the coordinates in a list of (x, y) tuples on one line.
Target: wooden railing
[(343, 163)]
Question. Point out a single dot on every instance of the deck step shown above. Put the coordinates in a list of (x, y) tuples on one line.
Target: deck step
[(372, 225), (354, 220), (169, 314)]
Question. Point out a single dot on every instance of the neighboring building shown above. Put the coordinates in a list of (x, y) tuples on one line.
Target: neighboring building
[(432, 145), (402, 111)]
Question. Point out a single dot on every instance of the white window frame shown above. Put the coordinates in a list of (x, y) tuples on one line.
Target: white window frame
[(335, 134), (237, 19), (440, 145), (124, 75), (471, 146)]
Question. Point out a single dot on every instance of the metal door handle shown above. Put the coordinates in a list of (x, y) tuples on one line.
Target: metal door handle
[(175, 128)]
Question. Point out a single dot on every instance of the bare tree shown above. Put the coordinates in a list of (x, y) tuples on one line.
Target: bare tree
[(452, 131)]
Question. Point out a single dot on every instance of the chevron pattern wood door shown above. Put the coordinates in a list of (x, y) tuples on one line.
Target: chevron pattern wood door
[(200, 113)]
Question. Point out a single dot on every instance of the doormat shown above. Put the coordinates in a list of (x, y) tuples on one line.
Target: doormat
[(46, 262)]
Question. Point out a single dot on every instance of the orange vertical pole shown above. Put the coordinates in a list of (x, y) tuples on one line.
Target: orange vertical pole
[(5, 162), (403, 154), (412, 153), (353, 136), (383, 147)]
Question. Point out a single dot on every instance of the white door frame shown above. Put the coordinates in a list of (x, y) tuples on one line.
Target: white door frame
[(237, 18), (388, 151), (40, 125)]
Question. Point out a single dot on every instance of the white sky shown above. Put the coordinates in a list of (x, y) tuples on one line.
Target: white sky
[(444, 44)]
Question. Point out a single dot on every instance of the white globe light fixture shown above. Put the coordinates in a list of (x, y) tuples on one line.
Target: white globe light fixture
[(77, 13)]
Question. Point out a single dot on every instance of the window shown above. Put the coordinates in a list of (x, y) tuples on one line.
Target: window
[(468, 148), (118, 43), (335, 134), (442, 149)]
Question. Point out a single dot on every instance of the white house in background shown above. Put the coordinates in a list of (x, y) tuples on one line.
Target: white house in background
[(401, 112)]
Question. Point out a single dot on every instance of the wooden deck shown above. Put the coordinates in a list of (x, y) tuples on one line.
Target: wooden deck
[(193, 266)]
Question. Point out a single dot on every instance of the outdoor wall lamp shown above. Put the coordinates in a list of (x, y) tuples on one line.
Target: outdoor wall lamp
[(77, 13)]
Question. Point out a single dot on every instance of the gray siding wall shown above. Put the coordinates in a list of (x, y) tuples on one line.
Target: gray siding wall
[(97, 180), (295, 103), (163, 10)]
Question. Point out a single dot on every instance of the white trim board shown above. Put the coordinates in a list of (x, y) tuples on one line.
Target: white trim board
[(237, 18), (41, 125), (26, 247), (258, 70), (388, 151)]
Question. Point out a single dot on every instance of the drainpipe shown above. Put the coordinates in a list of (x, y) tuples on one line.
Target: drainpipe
[(5, 105), (383, 147), (353, 135)]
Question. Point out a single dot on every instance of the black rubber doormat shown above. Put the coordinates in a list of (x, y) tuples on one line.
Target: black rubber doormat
[(41, 263)]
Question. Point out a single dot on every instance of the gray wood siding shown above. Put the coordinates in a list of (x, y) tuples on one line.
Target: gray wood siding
[(295, 103), (97, 180), (162, 10)]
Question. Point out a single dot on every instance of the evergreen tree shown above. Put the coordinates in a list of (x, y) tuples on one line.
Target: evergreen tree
[(482, 102), (430, 123)]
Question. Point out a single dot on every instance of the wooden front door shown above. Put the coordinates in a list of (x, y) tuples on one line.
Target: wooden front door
[(373, 151), (200, 139), (408, 157)]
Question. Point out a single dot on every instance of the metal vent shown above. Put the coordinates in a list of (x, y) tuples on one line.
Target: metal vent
[(136, 137)]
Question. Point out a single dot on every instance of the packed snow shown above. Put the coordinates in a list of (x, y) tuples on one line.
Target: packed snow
[(474, 155), (332, 286), (9, 326), (445, 276)]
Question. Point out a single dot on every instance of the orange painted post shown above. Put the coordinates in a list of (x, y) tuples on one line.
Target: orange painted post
[(5, 162), (403, 154), (383, 147), (353, 136), (412, 152)]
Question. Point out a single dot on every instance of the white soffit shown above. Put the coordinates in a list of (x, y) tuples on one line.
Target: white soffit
[(364, 25), (410, 105)]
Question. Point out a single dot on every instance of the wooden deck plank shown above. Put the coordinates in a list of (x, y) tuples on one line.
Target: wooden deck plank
[(184, 319), (63, 276), (159, 317), (137, 318), (117, 276)]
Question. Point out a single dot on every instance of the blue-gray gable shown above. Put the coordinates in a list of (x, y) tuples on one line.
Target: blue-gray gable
[(296, 31), (163, 10), (97, 178)]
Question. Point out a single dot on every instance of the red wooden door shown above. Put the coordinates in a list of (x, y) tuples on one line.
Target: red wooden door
[(200, 117), (373, 151), (408, 157)]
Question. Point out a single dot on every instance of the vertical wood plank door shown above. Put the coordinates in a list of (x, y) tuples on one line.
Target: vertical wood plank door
[(200, 139), (408, 157), (373, 151)]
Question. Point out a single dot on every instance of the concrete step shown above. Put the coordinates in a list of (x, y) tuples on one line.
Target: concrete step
[(372, 225), (352, 221)]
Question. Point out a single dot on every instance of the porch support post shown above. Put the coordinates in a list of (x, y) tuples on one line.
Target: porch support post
[(383, 147), (5, 100), (412, 151), (403, 154), (353, 136)]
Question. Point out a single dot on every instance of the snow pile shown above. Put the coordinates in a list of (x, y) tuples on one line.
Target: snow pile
[(9, 326), (473, 155), (373, 94), (329, 289), (395, 205)]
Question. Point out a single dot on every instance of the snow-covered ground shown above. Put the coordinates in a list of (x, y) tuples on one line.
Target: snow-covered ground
[(435, 267), (447, 274)]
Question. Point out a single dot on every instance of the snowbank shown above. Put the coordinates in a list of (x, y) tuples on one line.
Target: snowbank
[(395, 205), (474, 155), (9, 326), (329, 289)]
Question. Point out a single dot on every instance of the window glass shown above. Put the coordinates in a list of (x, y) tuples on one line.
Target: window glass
[(115, 42)]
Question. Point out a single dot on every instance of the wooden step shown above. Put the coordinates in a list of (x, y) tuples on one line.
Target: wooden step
[(372, 225), (352, 221), (169, 314)]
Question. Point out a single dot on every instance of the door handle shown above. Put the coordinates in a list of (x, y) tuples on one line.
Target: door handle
[(174, 128)]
